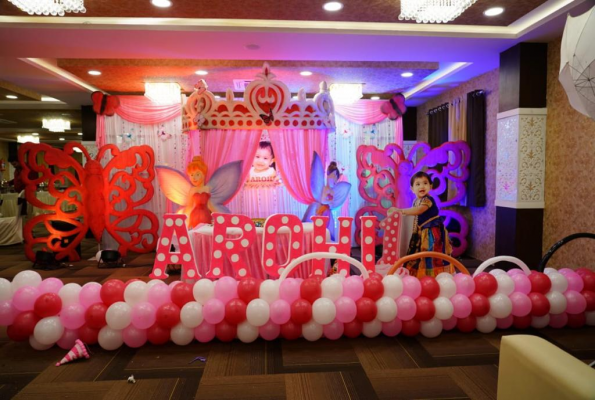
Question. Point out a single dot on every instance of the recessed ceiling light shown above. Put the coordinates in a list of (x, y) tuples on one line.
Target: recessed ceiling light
[(305, 73), (252, 47), (407, 74), (294, 97), (375, 98), (332, 6), (94, 72), (217, 96), (80, 133), (491, 12), (35, 134), (62, 138), (161, 3), (47, 98), (201, 72), (11, 96)]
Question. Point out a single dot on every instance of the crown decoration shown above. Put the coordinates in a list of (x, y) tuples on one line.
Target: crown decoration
[(267, 104)]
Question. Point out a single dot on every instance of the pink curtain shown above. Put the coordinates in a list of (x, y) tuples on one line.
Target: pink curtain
[(294, 149), (367, 112)]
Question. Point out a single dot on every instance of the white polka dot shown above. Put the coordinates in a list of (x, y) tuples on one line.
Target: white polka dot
[(235, 258), (343, 272), (394, 239), (191, 273), (319, 222), (219, 238), (245, 243), (216, 271), (269, 262), (390, 245), (332, 249), (160, 257), (392, 253), (296, 245), (345, 223), (319, 239), (270, 246), (344, 240), (157, 272), (183, 240), (235, 220), (242, 272), (271, 229), (165, 241), (392, 232), (169, 222), (229, 245), (369, 258), (369, 224), (284, 220), (174, 259), (179, 221), (217, 254), (386, 251), (187, 257), (281, 270), (297, 229), (248, 227), (318, 272), (369, 240), (220, 220)]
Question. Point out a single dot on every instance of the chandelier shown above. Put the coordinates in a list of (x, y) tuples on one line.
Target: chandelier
[(433, 11), (346, 93), (163, 93), (27, 139), (50, 7), (56, 125)]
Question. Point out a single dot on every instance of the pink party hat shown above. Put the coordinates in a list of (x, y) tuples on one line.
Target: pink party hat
[(79, 350)]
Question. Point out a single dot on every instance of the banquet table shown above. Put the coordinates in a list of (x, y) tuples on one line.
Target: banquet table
[(9, 205), (202, 245)]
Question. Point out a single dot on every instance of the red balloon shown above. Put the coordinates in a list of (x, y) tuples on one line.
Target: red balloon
[(112, 291), (425, 309), (366, 309), (290, 330), (576, 320), (376, 275), (88, 335), (158, 335), (95, 316), (23, 326), (480, 305), (182, 294), (225, 331), (168, 315), (47, 304), (429, 287), (235, 311), (411, 327), (353, 329), (467, 324), (540, 282), (521, 322), (540, 305), (301, 311), (485, 284), (589, 280), (590, 297), (310, 290), (373, 288), (248, 289)]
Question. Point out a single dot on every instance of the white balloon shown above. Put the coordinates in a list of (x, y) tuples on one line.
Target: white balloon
[(540, 322), (559, 282), (444, 308), (557, 301), (393, 286), (505, 283), (182, 335), (372, 329), (448, 287), (549, 270), (38, 346), (486, 324), (5, 289), (118, 315), (332, 288), (497, 272), (203, 291), (444, 275), (339, 277), (269, 290), (324, 310), (154, 282), (48, 330), (191, 314), (247, 333), (257, 312), (431, 328), (135, 293), (387, 309), (69, 294), (110, 339), (590, 318), (25, 278), (500, 305), (312, 330)]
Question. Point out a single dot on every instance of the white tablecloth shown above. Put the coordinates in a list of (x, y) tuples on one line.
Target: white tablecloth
[(9, 204)]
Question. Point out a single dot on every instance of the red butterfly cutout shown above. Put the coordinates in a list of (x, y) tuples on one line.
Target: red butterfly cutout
[(104, 104), (395, 107), (268, 119), (94, 197)]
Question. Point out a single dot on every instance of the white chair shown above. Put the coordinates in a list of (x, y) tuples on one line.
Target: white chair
[(11, 228)]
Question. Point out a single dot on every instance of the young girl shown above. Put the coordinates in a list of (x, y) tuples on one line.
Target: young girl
[(429, 233), (263, 166)]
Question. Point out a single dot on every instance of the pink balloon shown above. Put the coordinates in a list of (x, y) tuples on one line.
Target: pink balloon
[(346, 309), (205, 332), (522, 284), (392, 328), (575, 282), (90, 294), (72, 316), (521, 304), (269, 331), (558, 320), (353, 287), (515, 271), (576, 302), (504, 323), (289, 290), (334, 330), (450, 323), (68, 338), (134, 337), (226, 289), (24, 298), (461, 305), (143, 315), (51, 285), (158, 295), (7, 313), (213, 311), (406, 308), (565, 271), (280, 312), (411, 287), (465, 284)]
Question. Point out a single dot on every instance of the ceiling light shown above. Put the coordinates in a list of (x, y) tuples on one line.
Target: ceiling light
[(201, 72), (11, 96), (77, 150), (56, 125), (407, 74), (161, 3), (433, 11), (35, 134), (294, 97), (346, 93), (62, 138), (332, 6), (163, 92), (217, 96), (375, 98), (48, 98), (55, 7), (80, 134), (491, 12), (93, 72), (305, 73), (27, 138)]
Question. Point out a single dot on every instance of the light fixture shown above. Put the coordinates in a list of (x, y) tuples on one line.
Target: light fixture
[(294, 97), (163, 93), (492, 12), (27, 139), (375, 98), (201, 72), (305, 73), (80, 134), (53, 7), (93, 72), (332, 6), (48, 98), (56, 124), (77, 150), (35, 134), (62, 138), (407, 74), (161, 3), (11, 96), (433, 11), (346, 93)]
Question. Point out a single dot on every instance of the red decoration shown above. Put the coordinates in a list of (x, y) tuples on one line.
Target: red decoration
[(522, 322), (225, 331), (310, 290), (353, 329), (48, 304), (540, 282), (88, 335), (590, 298), (425, 309), (468, 324), (157, 334), (373, 288), (588, 278), (429, 287), (104, 104), (23, 326), (411, 327), (577, 320), (89, 199), (168, 315), (485, 284), (235, 311), (182, 294), (301, 311), (366, 309), (112, 291), (290, 330), (480, 305), (540, 305), (248, 289), (95, 316)]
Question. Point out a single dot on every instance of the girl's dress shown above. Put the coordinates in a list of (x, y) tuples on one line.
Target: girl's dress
[(200, 213), (429, 234)]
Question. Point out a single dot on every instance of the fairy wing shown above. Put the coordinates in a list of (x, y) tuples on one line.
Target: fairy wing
[(316, 177), (341, 191), (174, 185), (310, 212), (224, 183)]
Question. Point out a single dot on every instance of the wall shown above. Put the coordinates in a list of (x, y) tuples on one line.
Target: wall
[(569, 174), (4, 156), (482, 221)]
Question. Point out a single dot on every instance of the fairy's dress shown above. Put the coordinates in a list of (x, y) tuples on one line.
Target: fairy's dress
[(200, 213)]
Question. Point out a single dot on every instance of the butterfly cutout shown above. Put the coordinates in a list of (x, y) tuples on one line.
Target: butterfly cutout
[(104, 104), (268, 119), (395, 107), (164, 135)]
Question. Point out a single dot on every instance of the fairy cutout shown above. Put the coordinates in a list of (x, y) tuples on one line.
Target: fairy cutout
[(199, 198), (328, 197)]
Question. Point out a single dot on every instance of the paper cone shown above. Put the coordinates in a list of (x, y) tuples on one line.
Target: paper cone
[(79, 350)]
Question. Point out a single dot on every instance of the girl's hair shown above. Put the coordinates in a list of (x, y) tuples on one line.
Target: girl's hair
[(332, 167), (267, 145), (197, 164), (418, 175)]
